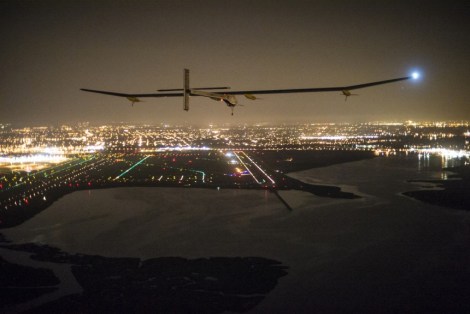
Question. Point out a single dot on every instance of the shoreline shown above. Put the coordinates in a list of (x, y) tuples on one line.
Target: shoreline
[(17, 216), (453, 193), (282, 161)]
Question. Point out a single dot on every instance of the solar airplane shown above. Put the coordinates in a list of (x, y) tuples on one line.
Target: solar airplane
[(228, 96)]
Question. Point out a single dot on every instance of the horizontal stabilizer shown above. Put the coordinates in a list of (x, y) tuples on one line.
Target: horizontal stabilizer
[(197, 88)]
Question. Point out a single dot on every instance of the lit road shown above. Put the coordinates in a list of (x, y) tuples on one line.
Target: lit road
[(259, 175), (247, 168), (132, 167)]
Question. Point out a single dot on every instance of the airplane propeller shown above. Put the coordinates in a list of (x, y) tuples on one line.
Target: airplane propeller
[(347, 93), (133, 100)]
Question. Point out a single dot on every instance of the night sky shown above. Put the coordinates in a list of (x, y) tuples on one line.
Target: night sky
[(51, 49)]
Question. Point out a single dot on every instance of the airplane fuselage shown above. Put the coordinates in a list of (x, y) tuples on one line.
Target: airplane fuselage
[(229, 100)]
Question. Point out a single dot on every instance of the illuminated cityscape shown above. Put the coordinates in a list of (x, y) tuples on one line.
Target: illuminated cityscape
[(380, 136), (41, 163)]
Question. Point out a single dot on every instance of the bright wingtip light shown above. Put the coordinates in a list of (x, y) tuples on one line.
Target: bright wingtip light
[(415, 75)]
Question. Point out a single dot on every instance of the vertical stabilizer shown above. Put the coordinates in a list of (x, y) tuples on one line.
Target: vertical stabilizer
[(186, 90)]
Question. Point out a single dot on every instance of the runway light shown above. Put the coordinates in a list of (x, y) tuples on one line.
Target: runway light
[(415, 75)]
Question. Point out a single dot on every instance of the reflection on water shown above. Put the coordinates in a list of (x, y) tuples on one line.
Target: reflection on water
[(436, 163), (452, 162)]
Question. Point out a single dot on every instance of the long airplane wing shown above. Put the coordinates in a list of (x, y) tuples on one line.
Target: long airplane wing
[(132, 95), (228, 96), (269, 91), (316, 89)]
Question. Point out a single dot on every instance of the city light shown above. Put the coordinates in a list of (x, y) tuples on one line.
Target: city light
[(33, 159)]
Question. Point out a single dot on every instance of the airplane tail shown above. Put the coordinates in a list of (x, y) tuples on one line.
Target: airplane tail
[(186, 90)]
